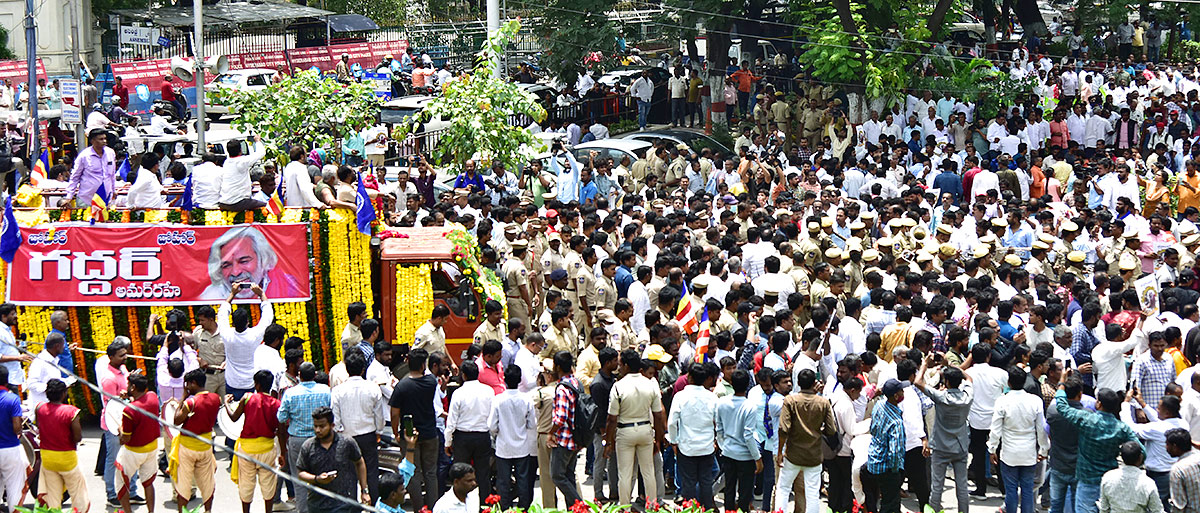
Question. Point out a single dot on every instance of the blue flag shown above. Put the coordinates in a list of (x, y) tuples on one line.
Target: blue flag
[(123, 171), (186, 202), (10, 233), (364, 210)]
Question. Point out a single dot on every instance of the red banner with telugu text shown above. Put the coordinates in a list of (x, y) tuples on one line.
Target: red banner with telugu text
[(17, 72), (78, 264)]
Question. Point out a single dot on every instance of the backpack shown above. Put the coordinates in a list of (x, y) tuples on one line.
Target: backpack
[(586, 417)]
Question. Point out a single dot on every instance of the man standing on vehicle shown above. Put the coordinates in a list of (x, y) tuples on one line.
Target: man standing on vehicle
[(643, 90)]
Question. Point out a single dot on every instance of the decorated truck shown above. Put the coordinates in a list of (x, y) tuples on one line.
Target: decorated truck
[(424, 267)]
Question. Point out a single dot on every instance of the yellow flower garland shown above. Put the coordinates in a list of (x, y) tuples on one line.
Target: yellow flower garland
[(34, 322), (414, 300), (103, 332)]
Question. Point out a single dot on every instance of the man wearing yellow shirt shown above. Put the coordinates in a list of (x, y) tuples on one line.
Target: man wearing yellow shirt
[(898, 334), (589, 358)]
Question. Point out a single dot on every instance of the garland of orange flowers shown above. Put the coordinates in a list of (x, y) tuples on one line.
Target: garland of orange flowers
[(135, 337), (318, 289)]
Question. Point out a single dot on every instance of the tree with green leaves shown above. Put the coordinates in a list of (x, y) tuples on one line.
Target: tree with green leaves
[(479, 108), (304, 108), (6, 53), (575, 32)]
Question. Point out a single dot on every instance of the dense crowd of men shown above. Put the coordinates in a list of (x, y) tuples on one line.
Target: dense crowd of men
[(830, 309)]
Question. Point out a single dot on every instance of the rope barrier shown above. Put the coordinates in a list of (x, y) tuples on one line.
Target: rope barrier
[(246, 458)]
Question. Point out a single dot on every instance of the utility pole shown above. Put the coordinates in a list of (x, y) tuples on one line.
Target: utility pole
[(83, 109), (35, 139), (198, 51), (493, 24)]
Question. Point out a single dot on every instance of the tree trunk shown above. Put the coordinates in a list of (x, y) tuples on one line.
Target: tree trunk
[(693, 53), (935, 20), (1030, 17), (847, 17)]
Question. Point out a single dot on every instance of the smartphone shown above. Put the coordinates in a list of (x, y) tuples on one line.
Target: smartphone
[(408, 425), (244, 285)]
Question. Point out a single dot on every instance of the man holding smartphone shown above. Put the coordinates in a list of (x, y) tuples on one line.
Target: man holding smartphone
[(333, 462)]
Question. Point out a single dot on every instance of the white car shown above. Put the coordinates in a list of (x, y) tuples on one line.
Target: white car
[(239, 79), (406, 108)]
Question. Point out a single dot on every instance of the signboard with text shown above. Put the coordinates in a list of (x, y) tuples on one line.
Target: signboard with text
[(305, 58), (165, 264), (17, 72)]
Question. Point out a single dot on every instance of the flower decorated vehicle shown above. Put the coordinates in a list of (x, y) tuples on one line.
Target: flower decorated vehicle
[(424, 267)]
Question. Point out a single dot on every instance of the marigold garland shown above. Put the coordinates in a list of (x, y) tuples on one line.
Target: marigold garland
[(414, 300)]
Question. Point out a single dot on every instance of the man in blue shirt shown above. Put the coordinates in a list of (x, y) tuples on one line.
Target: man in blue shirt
[(12, 456), (588, 190), (60, 323), (948, 180), (624, 277), (736, 424), (470, 178), (885, 457)]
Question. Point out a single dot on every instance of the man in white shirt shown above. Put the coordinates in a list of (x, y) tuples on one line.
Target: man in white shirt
[(242, 341), (691, 427), (1108, 362), (266, 355), (872, 129), (146, 191), (988, 382), (236, 187), (43, 369), (297, 183), (468, 438), (643, 90), (513, 422), (1018, 423), (462, 497), (206, 181), (357, 406)]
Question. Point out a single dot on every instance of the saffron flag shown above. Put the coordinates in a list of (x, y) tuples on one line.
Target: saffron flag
[(685, 314), (703, 336), (41, 169)]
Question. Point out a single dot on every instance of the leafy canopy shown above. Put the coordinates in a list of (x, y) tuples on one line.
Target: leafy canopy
[(304, 108), (478, 108)]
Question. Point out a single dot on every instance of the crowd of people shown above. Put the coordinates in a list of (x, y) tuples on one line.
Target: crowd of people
[(830, 310)]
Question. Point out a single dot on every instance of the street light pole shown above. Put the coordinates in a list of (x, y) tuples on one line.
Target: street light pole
[(75, 72), (493, 24), (35, 138), (198, 56)]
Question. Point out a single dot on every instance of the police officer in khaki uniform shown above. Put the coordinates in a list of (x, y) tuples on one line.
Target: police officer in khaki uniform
[(606, 288), (781, 114), (761, 113), (1037, 261), (516, 283), (585, 290), (678, 166), (811, 120), (493, 326), (560, 336)]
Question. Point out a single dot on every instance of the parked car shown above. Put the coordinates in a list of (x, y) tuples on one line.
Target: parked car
[(695, 140), (612, 148), (409, 108), (238, 79)]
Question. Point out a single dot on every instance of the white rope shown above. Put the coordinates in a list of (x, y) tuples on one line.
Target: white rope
[(246, 458)]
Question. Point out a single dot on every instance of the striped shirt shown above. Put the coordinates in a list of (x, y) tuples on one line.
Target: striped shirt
[(1185, 484), (1151, 376), (886, 453)]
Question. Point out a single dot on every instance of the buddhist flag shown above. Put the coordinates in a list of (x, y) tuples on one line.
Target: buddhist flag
[(41, 169), (275, 202), (99, 203), (685, 314), (703, 336)]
